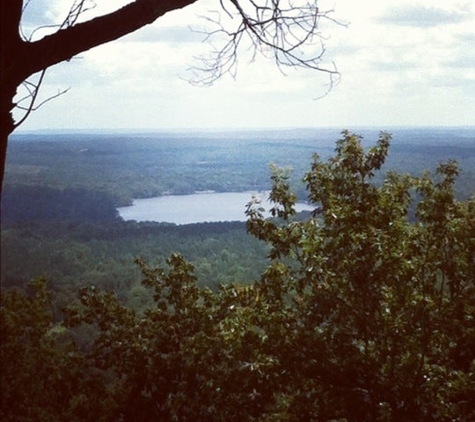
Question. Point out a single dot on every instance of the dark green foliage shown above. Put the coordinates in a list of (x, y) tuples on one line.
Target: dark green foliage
[(42, 376), (384, 308), (26, 204), (361, 315), (74, 254)]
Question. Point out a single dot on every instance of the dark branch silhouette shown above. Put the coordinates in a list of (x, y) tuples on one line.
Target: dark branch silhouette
[(280, 30), (32, 88)]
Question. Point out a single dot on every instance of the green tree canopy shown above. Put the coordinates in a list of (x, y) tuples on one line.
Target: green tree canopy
[(382, 307)]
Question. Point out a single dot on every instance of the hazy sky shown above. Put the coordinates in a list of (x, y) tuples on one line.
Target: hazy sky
[(401, 63)]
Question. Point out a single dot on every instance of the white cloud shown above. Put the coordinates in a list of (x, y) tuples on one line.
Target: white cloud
[(393, 73), (424, 16)]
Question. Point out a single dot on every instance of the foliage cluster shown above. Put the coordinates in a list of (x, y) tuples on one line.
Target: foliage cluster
[(361, 315), (73, 254), (26, 203)]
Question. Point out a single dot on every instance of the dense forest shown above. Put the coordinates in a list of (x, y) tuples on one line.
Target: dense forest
[(145, 165), (362, 310), (59, 205)]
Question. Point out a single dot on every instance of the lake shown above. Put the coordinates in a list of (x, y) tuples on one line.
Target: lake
[(196, 208)]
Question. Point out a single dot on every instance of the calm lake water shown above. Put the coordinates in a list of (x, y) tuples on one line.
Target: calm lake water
[(196, 208)]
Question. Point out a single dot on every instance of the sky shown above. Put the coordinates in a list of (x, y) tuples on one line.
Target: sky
[(402, 63)]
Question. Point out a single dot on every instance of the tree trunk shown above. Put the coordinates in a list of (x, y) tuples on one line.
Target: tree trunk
[(10, 45), (6, 128)]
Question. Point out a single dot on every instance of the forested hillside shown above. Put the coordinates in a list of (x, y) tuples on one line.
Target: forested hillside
[(145, 165), (75, 254), (360, 311)]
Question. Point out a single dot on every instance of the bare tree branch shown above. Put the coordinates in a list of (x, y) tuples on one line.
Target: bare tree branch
[(82, 36), (33, 90), (287, 31), (77, 8)]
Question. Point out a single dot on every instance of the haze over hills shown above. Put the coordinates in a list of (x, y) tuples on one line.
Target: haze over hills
[(143, 164)]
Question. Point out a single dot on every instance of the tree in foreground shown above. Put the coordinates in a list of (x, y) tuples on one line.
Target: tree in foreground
[(365, 313), (382, 308), (286, 30)]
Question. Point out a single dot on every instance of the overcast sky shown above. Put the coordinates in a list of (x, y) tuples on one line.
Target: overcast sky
[(402, 63)]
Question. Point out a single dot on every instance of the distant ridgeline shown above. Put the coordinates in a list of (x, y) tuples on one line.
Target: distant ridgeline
[(38, 203), (84, 177)]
